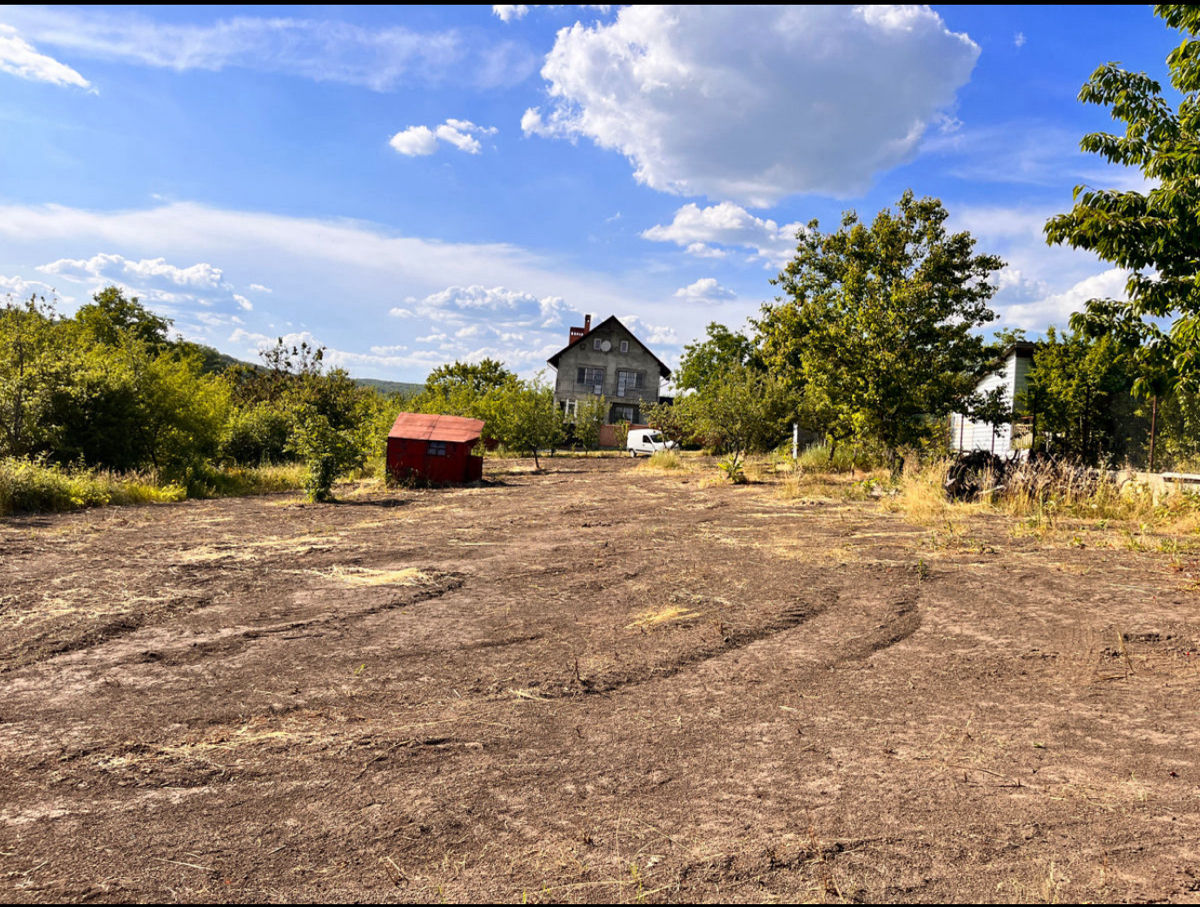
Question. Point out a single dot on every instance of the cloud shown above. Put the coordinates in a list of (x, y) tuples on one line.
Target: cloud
[(421, 140), (706, 289), (324, 50), (752, 104), (106, 266), (509, 13), (415, 141), (1019, 40), (259, 288), (19, 58), (701, 230), (1057, 308), (338, 278), (21, 289)]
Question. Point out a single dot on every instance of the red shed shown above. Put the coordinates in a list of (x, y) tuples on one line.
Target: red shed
[(434, 448)]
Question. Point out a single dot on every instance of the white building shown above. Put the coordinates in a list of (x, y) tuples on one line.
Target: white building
[(1012, 374)]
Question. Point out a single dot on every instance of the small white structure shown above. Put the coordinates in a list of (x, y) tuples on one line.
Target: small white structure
[(1012, 374)]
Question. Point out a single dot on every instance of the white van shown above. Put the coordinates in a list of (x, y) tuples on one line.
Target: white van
[(646, 441)]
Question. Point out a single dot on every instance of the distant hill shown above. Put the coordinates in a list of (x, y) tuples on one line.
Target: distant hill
[(404, 388), (216, 361)]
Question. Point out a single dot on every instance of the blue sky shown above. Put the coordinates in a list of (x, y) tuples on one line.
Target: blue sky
[(410, 186)]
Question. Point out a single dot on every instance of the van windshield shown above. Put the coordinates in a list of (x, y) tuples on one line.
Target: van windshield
[(655, 437)]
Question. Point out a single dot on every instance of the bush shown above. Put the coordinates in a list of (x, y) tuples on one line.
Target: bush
[(30, 487), (256, 435)]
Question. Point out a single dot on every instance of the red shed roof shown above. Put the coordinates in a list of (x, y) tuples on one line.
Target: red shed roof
[(423, 427)]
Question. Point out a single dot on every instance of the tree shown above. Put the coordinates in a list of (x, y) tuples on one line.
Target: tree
[(710, 360), (476, 378), (747, 410), (1154, 234), (110, 318), (1079, 391), (34, 369), (875, 330), (527, 418), (992, 408), (591, 413)]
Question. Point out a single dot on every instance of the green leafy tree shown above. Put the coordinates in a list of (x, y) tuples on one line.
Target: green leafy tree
[(876, 327), (35, 371), (711, 359), (672, 419), (993, 408), (111, 318), (590, 415), (747, 411), (1154, 234), (527, 418), (1080, 393)]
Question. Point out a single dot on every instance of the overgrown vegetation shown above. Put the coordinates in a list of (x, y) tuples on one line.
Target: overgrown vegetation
[(104, 407)]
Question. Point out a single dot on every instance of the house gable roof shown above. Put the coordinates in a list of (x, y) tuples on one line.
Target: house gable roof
[(427, 427), (662, 368)]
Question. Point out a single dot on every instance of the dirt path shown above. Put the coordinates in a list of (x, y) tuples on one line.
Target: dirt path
[(594, 684)]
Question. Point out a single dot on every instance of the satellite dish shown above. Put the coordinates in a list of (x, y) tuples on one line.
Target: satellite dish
[(606, 345)]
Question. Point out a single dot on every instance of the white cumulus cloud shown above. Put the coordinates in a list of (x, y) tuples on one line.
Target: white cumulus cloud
[(706, 289), (702, 231), (106, 266), (507, 13), (18, 57), (752, 104), (418, 141)]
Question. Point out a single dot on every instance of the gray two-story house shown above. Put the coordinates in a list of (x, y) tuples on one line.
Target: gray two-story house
[(607, 361)]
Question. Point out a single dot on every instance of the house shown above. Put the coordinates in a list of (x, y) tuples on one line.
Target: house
[(609, 361), (435, 449), (1012, 374)]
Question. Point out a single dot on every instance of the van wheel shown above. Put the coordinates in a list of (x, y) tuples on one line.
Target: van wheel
[(633, 453)]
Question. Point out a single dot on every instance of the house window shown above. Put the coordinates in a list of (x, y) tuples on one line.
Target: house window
[(628, 381), (571, 408), (624, 413), (595, 343), (435, 449), (624, 346), (590, 377)]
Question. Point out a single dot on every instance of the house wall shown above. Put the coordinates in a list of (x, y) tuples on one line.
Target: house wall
[(967, 435), (584, 354)]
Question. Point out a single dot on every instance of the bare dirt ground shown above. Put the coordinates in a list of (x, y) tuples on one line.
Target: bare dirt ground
[(597, 683)]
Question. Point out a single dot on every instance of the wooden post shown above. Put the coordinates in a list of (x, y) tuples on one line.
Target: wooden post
[(796, 441), (1153, 426)]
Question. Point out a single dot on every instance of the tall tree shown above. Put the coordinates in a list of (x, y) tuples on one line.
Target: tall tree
[(710, 359), (1154, 234), (877, 324)]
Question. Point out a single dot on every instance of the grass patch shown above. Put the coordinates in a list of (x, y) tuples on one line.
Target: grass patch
[(669, 614), (361, 576), (30, 487), (662, 461), (27, 486)]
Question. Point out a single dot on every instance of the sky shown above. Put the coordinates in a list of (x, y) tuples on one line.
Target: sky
[(412, 186)]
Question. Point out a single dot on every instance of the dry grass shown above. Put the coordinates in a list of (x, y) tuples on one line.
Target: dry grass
[(669, 614), (361, 576), (663, 461)]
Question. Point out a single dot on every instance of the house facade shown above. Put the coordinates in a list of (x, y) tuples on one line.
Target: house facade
[(608, 361), (1012, 374)]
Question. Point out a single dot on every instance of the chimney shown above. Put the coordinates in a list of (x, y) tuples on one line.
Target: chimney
[(577, 333)]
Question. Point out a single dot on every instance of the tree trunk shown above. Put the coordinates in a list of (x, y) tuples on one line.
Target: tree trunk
[(1153, 427)]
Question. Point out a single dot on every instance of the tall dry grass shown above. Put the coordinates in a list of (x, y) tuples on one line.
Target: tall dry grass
[(1043, 494), (31, 487)]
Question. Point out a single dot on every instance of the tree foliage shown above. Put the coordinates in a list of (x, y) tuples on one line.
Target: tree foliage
[(1153, 233), (875, 330), (711, 359), (1079, 396)]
